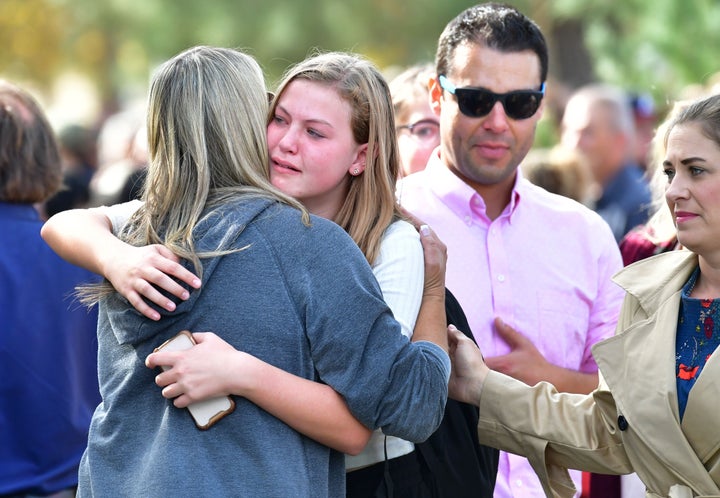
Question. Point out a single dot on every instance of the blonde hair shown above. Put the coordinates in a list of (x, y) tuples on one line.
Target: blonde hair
[(660, 227), (369, 207), (409, 87), (207, 145)]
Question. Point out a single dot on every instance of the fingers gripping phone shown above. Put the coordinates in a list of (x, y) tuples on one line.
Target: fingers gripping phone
[(207, 412)]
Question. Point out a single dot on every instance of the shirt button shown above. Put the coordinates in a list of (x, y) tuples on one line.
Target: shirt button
[(501, 278), (622, 423), (519, 483)]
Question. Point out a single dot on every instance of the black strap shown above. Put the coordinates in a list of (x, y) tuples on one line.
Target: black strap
[(385, 489)]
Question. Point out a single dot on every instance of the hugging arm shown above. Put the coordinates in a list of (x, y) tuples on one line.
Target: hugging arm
[(214, 368), (84, 238)]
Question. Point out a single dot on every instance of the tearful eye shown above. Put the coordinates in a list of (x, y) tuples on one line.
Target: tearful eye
[(314, 133)]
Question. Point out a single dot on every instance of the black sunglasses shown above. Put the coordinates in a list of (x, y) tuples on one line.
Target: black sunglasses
[(478, 102)]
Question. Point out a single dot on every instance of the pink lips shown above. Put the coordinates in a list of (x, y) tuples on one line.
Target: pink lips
[(284, 166), (492, 150), (684, 216)]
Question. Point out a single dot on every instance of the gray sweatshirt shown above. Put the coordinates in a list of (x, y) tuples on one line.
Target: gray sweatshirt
[(301, 298)]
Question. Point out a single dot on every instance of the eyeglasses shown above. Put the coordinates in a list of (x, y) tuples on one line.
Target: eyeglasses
[(478, 102), (425, 130)]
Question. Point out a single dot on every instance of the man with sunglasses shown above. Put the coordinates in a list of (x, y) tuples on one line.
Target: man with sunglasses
[(541, 262)]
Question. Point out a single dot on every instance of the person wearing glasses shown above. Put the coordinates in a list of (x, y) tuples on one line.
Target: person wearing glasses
[(531, 269), (418, 128)]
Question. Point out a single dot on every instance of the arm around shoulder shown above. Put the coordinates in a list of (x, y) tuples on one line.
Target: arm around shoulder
[(82, 237)]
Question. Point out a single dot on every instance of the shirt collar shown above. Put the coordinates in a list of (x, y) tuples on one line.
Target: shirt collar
[(459, 195)]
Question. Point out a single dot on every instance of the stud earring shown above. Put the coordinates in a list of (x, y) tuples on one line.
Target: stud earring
[(356, 172)]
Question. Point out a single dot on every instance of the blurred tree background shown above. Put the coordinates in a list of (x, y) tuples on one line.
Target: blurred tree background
[(657, 47)]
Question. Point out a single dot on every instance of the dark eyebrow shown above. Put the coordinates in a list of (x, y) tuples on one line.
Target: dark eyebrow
[(685, 162), (691, 160)]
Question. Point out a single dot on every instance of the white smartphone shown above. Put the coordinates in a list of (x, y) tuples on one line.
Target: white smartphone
[(205, 413)]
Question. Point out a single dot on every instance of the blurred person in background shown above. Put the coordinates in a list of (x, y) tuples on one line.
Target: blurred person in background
[(122, 154), (658, 235), (560, 171), (132, 188), (48, 347), (417, 125), (79, 163), (598, 123), (646, 120)]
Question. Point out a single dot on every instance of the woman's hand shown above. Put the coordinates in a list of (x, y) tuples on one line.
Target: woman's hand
[(139, 272), (209, 369), (468, 368), (435, 253), (214, 368)]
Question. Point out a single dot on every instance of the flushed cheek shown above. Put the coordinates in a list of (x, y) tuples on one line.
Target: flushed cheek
[(273, 137), (274, 178)]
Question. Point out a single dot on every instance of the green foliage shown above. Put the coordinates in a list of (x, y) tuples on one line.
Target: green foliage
[(31, 31), (658, 47)]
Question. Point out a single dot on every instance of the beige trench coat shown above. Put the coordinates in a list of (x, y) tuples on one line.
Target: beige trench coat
[(630, 423)]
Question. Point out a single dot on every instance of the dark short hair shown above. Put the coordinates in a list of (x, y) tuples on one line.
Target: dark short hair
[(30, 168), (494, 25)]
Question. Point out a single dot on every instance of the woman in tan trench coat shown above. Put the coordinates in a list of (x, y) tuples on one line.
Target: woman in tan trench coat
[(656, 410)]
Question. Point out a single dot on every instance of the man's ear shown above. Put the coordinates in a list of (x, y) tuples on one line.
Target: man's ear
[(435, 95)]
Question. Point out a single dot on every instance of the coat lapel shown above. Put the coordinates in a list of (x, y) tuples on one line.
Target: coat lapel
[(638, 365)]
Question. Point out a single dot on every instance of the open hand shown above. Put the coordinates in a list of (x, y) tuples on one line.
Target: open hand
[(524, 362), (138, 272)]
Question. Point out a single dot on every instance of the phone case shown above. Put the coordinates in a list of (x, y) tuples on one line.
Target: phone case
[(207, 412)]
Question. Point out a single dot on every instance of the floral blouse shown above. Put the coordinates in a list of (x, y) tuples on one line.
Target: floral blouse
[(698, 335)]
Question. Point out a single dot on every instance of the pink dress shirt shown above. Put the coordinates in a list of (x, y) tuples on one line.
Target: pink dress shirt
[(544, 266)]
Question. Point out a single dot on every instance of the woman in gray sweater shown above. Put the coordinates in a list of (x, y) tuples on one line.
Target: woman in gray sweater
[(267, 289)]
